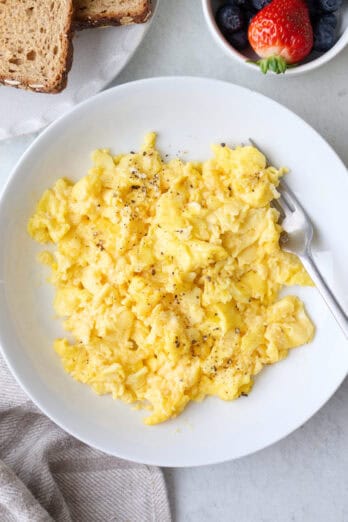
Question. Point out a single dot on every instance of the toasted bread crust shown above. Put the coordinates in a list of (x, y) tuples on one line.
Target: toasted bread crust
[(60, 81), (115, 19)]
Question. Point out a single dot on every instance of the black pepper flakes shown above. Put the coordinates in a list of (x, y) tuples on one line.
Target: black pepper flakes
[(153, 272), (223, 144)]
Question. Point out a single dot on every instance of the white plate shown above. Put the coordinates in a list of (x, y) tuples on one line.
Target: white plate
[(189, 114), (99, 55)]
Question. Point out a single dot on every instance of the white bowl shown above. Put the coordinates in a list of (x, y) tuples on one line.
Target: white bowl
[(189, 114), (313, 61)]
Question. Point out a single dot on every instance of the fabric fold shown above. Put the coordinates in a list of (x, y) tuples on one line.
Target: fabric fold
[(47, 475)]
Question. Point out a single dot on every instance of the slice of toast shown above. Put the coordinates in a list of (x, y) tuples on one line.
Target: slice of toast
[(96, 13), (36, 43)]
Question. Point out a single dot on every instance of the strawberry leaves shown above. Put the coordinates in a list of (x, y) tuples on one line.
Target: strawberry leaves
[(276, 64)]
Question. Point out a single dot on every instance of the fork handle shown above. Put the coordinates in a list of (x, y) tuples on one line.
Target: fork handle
[(326, 293)]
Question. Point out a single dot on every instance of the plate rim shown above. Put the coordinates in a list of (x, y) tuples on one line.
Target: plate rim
[(6, 353)]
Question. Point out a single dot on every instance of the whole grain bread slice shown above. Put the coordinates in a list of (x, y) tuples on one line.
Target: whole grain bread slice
[(36, 43), (96, 13)]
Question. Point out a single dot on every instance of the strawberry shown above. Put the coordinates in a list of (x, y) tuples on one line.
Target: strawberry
[(281, 34)]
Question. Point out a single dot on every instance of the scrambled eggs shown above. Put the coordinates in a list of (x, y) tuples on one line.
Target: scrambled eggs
[(167, 275)]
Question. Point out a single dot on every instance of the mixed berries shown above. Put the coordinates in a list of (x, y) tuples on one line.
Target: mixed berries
[(281, 32)]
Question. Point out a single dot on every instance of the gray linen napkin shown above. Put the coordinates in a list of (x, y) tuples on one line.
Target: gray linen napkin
[(45, 474)]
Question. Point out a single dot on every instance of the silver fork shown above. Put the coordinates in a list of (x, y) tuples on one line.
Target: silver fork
[(297, 239)]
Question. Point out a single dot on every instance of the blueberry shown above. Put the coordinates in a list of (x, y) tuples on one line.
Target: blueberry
[(313, 8), (249, 15), (238, 40), (329, 5), (230, 18), (239, 3), (259, 4), (324, 35), (330, 19)]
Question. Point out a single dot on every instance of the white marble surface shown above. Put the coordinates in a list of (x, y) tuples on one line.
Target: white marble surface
[(303, 478)]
